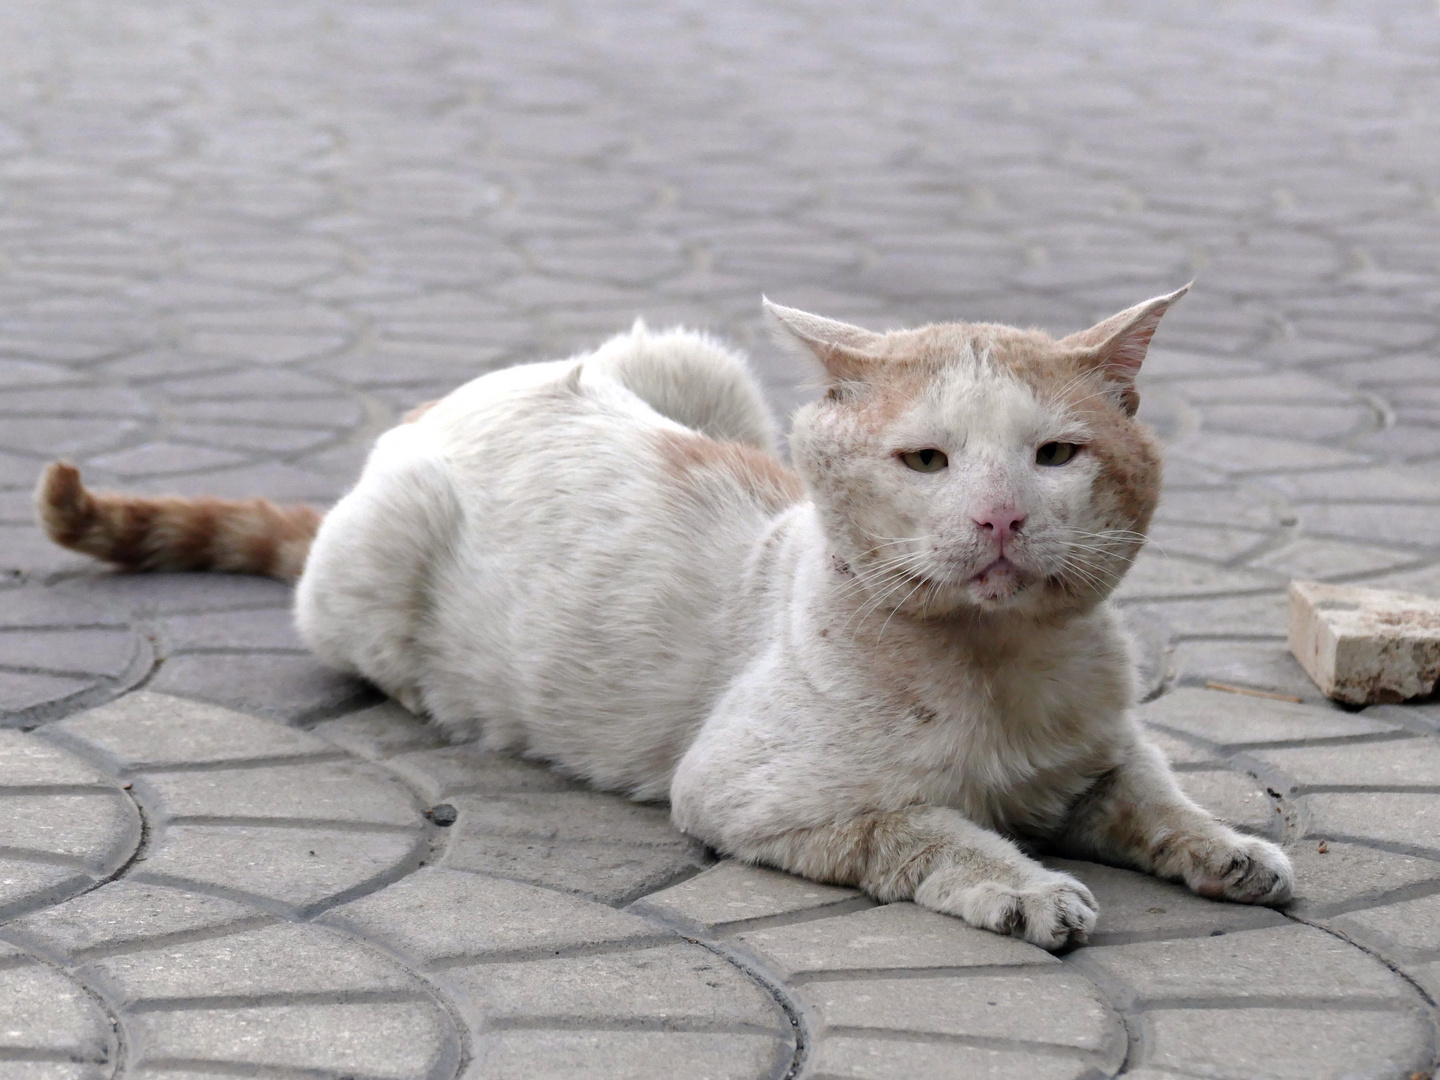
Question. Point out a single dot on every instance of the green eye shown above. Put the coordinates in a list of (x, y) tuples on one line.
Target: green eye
[(1055, 453), (927, 460)]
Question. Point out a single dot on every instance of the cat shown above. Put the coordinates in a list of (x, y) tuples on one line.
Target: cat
[(891, 667)]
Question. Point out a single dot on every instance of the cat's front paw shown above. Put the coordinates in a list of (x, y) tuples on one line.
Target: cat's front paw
[(1232, 866), (1052, 910)]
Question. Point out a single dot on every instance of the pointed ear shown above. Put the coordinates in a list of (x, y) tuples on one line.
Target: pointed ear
[(846, 351), (1118, 345)]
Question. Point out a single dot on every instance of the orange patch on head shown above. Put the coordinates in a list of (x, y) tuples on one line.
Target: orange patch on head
[(690, 456)]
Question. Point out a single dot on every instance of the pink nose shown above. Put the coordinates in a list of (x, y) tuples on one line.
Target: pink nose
[(1001, 524)]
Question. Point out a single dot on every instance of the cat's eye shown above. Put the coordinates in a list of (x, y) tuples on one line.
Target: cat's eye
[(1055, 453), (927, 460)]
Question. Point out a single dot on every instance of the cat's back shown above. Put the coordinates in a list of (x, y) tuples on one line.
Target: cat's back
[(564, 586)]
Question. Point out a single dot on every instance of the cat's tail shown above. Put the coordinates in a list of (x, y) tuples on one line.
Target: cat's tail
[(250, 536)]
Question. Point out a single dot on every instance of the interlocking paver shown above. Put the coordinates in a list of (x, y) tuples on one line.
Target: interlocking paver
[(239, 244)]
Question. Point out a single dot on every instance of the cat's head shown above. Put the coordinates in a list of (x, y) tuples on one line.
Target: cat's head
[(973, 465)]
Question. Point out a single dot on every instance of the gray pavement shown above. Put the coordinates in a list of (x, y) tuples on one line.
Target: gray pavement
[(239, 240)]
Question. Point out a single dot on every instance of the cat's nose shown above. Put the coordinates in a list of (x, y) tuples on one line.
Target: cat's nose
[(1001, 524)]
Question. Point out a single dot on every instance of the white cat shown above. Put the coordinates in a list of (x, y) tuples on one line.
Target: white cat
[(870, 673)]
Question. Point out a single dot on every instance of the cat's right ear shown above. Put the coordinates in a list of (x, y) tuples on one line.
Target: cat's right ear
[(847, 352)]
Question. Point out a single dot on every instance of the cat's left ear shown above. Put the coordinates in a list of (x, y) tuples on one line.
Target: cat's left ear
[(847, 352), (1118, 345)]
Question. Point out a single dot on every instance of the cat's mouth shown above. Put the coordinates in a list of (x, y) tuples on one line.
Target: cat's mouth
[(998, 581)]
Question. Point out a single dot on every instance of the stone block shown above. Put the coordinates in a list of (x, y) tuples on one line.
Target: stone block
[(1365, 646), (293, 686), (613, 873), (675, 985), (444, 914), (97, 829), (1411, 762), (104, 651), (1287, 1044), (279, 960), (43, 1009), (258, 629), (1251, 964), (626, 1055), (1234, 798), (567, 816), (315, 791), (1258, 665), (26, 884), (1346, 874), (379, 732), (446, 771), (121, 913), (857, 1057), (734, 892), (1409, 818), (389, 1041), (25, 692), (1226, 719), (28, 760), (1033, 1004), (1179, 751), (300, 868), (892, 936), (1135, 906), (148, 730), (1404, 930)]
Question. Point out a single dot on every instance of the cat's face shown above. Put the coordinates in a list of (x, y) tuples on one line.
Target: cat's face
[(980, 466)]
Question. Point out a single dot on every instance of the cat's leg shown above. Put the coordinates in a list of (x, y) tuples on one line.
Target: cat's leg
[(943, 861), (1137, 816)]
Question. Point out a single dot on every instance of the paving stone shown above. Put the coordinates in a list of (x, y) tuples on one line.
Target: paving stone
[(1257, 616), (23, 692), (165, 594), (1350, 874), (145, 730), (403, 1040), (437, 913), (1414, 761), (1257, 665), (278, 960), (121, 913), (733, 892), (860, 1058), (1309, 558), (450, 770), (1179, 751), (573, 816), (1136, 906), (892, 936), (675, 985), (42, 1009), (1235, 799), (292, 686), (1242, 965), (625, 1055), (613, 873), (1410, 819), (1307, 1044), (318, 791), (262, 629), (1242, 720), (27, 760), (97, 829), (1396, 523), (1365, 646), (379, 732), (103, 652), (1040, 1005), (1157, 576), (296, 867)]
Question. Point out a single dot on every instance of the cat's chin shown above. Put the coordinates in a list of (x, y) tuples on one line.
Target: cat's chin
[(998, 584)]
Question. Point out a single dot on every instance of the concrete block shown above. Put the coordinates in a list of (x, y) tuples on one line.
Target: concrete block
[(388, 1041), (1412, 762), (1033, 1004), (149, 729), (379, 732), (1410, 818), (1309, 1044), (1236, 720), (42, 1009), (1346, 873), (857, 1057), (888, 937), (734, 892), (25, 884), (1242, 965), (28, 760), (297, 867), (1235, 799), (98, 829), (438, 913), (626, 1055), (280, 959), (450, 770), (1365, 646), (121, 913), (675, 984)]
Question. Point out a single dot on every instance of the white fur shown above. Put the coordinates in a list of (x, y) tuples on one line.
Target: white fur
[(523, 562)]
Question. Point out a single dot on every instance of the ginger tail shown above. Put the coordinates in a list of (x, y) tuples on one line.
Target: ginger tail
[(250, 536)]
